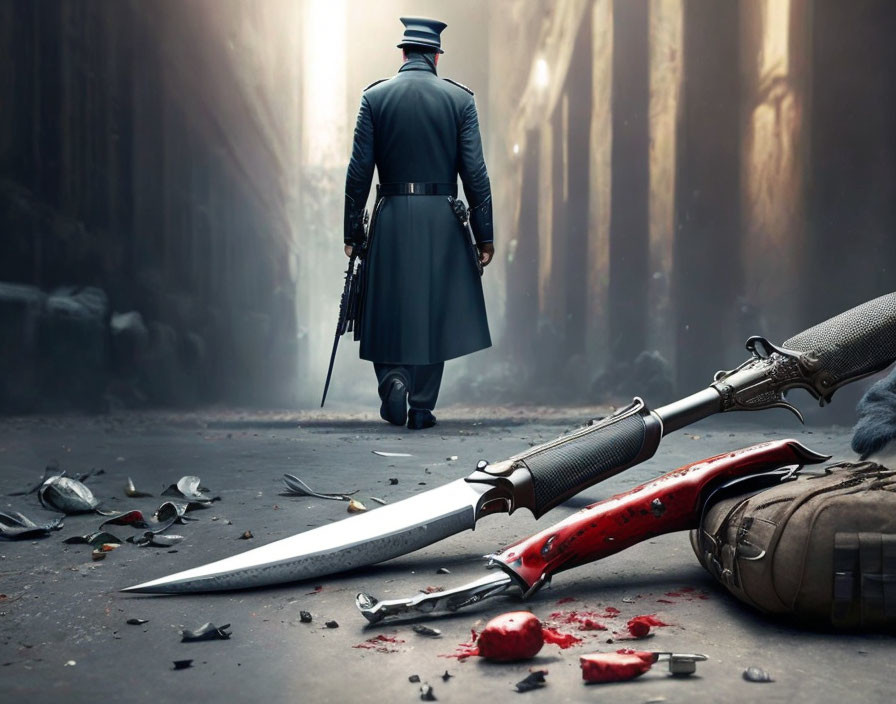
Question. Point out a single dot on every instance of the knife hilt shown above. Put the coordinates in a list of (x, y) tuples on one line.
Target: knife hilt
[(667, 504), (548, 474)]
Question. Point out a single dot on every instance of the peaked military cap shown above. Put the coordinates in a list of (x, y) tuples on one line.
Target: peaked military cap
[(421, 31)]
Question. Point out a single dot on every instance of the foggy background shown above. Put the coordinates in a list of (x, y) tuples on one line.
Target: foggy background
[(669, 178)]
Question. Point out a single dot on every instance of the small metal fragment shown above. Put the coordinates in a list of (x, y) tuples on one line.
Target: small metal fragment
[(757, 674), (427, 631), (443, 570), (182, 664), (426, 693), (355, 506), (381, 502), (132, 491), (207, 631), (305, 616), (535, 680), (136, 621)]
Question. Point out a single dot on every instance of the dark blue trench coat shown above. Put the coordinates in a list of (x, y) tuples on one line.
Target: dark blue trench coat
[(423, 296)]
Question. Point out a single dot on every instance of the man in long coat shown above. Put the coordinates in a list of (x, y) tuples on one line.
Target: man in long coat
[(423, 301)]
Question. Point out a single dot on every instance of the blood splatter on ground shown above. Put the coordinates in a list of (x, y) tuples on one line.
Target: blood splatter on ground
[(564, 640), (380, 644)]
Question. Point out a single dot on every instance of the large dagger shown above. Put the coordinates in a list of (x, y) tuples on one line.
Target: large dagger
[(820, 360)]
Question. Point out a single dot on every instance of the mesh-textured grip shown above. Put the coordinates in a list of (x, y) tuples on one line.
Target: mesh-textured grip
[(853, 344), (566, 468)]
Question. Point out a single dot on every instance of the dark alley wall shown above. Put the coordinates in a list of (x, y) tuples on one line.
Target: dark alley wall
[(111, 178)]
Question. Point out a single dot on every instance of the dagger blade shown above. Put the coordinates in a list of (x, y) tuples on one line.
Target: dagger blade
[(358, 541)]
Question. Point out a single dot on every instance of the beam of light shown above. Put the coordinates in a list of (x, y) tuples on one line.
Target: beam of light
[(666, 37), (541, 75), (599, 176), (324, 83), (774, 152)]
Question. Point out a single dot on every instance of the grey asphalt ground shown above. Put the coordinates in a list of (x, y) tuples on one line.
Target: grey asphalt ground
[(63, 636)]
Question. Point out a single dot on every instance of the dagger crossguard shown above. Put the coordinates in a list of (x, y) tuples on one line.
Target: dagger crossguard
[(761, 381)]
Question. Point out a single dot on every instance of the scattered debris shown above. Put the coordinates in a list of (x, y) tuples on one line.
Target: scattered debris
[(68, 495), (431, 589), (414, 679), (757, 674), (16, 526), (136, 621), (156, 540), (296, 487), (207, 631), (247, 535), (355, 506), (381, 502), (516, 635), (426, 693), (97, 555), (331, 624), (51, 470), (182, 664), (70, 663), (169, 513), (383, 453), (615, 667), (446, 676), (305, 616), (95, 539), (189, 488), (427, 631), (132, 491), (628, 600), (443, 570), (535, 680), (393, 480), (452, 458)]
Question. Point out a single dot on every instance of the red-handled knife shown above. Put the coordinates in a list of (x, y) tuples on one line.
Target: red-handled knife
[(670, 503)]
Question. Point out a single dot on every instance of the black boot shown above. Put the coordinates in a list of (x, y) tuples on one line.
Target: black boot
[(394, 408), (419, 419)]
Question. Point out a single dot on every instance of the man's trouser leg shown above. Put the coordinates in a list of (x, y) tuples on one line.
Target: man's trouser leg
[(425, 382), (394, 406)]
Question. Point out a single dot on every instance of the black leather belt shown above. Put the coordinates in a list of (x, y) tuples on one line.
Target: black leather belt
[(416, 189)]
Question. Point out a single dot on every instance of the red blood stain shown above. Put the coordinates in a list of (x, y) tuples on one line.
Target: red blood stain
[(676, 594), (432, 590), (615, 667), (564, 640), (317, 590), (585, 620), (380, 644), (566, 600), (611, 611), (465, 650)]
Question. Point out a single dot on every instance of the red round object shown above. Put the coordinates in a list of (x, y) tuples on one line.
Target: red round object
[(516, 635)]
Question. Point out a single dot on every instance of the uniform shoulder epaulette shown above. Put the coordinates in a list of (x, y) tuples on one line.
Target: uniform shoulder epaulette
[(375, 83), (459, 85)]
